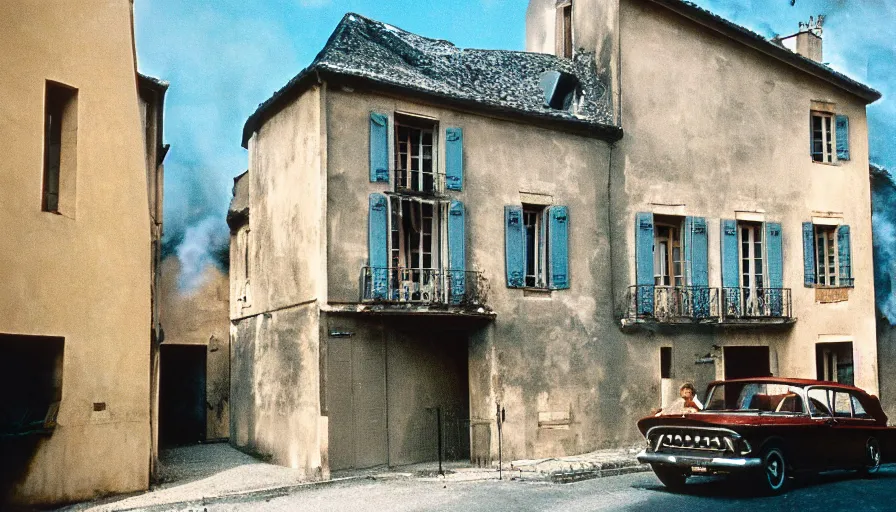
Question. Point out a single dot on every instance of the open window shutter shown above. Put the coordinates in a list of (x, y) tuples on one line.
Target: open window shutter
[(697, 251), (377, 237), (454, 158), (558, 249), (774, 248), (379, 147), (808, 254), (457, 260), (514, 254), (730, 267), (842, 123), (644, 263), (845, 255)]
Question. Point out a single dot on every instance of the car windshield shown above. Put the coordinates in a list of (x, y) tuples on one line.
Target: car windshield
[(755, 396)]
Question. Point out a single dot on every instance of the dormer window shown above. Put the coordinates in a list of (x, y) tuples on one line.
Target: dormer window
[(564, 29)]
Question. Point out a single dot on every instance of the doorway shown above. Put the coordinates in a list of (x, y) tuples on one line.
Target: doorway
[(182, 394), (746, 362)]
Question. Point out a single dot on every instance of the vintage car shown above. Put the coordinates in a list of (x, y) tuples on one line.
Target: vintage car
[(771, 429)]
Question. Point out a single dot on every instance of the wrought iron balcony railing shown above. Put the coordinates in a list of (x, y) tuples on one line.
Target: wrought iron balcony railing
[(757, 303), (417, 182), (423, 286), (672, 304)]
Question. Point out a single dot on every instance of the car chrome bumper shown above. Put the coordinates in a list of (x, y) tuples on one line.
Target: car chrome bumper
[(688, 461)]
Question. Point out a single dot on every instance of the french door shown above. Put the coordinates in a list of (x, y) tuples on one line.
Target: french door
[(752, 268)]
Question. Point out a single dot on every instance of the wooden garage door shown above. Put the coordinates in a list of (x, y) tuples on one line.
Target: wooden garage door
[(356, 402)]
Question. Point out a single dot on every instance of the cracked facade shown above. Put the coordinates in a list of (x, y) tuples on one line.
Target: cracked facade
[(420, 234)]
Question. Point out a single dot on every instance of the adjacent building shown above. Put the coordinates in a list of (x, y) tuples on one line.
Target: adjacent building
[(428, 238), (81, 212)]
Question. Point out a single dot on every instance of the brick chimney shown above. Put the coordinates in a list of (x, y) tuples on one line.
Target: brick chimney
[(806, 42)]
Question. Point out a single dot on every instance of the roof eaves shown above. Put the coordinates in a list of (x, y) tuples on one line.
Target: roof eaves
[(752, 39), (152, 81)]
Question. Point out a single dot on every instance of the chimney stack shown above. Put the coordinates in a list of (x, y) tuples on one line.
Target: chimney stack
[(806, 42)]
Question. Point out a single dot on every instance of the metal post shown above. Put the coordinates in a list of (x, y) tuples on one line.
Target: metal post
[(500, 454), (439, 429)]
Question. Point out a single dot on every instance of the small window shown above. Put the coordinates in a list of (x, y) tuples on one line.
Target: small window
[(827, 264), (665, 362), (842, 405), (60, 142), (822, 137), (535, 233), (564, 30), (858, 410), (818, 402), (834, 362)]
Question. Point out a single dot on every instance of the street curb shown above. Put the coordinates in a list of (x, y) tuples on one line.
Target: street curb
[(578, 475), (268, 493)]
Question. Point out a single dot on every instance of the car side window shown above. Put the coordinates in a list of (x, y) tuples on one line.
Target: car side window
[(842, 407), (818, 401), (858, 409)]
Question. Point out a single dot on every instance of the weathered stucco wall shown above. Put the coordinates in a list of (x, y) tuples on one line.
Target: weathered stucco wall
[(725, 129), (275, 397), (83, 274), (886, 346), (200, 317), (554, 353)]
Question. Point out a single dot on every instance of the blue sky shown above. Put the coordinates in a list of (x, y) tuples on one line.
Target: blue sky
[(224, 57)]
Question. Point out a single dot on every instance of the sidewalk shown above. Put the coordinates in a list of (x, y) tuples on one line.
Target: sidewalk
[(203, 474)]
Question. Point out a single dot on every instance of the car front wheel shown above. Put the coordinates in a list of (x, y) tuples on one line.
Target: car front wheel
[(672, 478), (773, 479)]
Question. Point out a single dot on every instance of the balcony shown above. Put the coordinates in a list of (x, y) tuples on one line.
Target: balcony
[(672, 304), (758, 305), (419, 183), (677, 305), (430, 288)]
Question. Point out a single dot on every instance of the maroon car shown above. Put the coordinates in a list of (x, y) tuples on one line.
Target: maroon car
[(771, 428)]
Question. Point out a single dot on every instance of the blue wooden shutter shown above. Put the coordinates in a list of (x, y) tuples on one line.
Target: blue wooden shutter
[(457, 259), (845, 255), (454, 158), (730, 263), (558, 247), (379, 147), (730, 268), (514, 244), (377, 246), (697, 251), (808, 254), (842, 123), (644, 263), (774, 248)]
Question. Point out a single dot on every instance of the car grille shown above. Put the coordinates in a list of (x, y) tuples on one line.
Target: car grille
[(695, 439)]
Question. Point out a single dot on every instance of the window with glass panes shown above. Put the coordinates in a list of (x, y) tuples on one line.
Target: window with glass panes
[(668, 259), (822, 137), (535, 232), (752, 268), (826, 271), (414, 154)]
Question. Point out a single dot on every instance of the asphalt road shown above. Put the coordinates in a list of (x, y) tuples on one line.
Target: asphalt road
[(633, 492)]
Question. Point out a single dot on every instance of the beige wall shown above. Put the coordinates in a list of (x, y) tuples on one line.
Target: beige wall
[(85, 274), (275, 397), (200, 317)]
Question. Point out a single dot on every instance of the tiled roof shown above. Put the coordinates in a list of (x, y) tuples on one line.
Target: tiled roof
[(507, 81)]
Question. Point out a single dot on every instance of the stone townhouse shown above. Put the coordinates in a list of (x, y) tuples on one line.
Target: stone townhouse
[(81, 213), (426, 232)]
